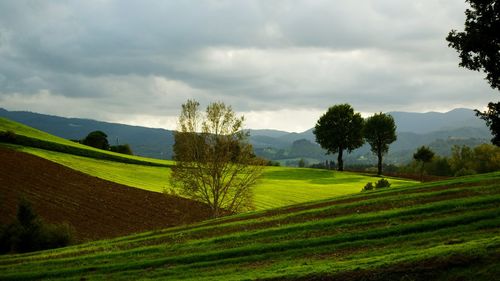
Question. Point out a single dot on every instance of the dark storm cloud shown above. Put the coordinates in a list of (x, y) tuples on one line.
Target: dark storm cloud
[(147, 57)]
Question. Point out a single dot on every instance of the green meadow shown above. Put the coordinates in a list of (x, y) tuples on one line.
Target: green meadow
[(279, 186), (447, 230)]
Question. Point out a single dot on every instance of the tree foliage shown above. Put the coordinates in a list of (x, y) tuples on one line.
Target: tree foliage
[(492, 118), (479, 50), (479, 44), (483, 158), (215, 163), (380, 131), (423, 155), (29, 233), (339, 129), (97, 139)]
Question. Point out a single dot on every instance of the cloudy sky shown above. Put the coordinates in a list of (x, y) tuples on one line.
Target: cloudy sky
[(279, 63)]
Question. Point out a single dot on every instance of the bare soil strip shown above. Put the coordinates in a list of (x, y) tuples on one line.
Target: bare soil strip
[(95, 208)]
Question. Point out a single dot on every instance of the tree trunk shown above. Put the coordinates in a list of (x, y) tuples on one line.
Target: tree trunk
[(422, 172), (340, 161), (215, 212), (379, 163)]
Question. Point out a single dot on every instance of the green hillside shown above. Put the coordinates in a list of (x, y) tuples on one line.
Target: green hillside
[(29, 136), (446, 230), (279, 186)]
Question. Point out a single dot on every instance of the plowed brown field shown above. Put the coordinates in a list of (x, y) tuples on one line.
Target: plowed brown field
[(94, 207)]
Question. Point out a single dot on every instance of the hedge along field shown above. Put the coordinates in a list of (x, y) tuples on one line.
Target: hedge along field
[(447, 230), (279, 186), (28, 136)]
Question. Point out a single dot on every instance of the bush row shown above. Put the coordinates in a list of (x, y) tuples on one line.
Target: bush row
[(382, 183)]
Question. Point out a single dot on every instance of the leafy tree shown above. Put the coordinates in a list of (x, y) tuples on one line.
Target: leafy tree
[(423, 155), (29, 233), (339, 129), (492, 118), (97, 139), (214, 162), (483, 158), (479, 50), (462, 159), (380, 131), (302, 163), (487, 158)]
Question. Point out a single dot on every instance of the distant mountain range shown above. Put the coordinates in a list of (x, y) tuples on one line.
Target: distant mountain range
[(438, 130)]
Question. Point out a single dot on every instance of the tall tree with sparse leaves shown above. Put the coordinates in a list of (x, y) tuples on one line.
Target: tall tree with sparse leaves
[(214, 163), (339, 129), (380, 131), (479, 50)]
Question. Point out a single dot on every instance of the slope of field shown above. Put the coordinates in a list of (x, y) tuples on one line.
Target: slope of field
[(95, 208), (446, 230), (60, 143), (279, 186)]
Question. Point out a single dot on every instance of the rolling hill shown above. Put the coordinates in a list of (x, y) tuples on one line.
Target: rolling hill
[(447, 230), (147, 142), (279, 186), (438, 130), (95, 208)]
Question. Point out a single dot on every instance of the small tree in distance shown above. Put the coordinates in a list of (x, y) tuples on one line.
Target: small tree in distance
[(214, 162), (97, 139), (380, 131), (339, 129), (423, 155)]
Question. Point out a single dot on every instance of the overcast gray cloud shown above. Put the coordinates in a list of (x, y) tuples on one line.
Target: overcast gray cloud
[(281, 63)]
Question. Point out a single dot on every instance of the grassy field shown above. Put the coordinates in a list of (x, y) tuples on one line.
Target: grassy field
[(47, 139), (279, 186), (446, 230)]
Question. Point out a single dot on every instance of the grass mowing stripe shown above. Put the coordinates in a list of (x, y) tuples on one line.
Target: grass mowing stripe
[(426, 226), (390, 214), (187, 261), (356, 218)]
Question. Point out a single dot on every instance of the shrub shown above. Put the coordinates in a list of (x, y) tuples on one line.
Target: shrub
[(464, 172), (273, 163), (382, 183), (368, 186), (121, 148), (56, 235), (29, 233), (8, 136)]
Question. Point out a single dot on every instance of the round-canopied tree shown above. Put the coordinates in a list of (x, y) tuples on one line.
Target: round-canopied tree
[(423, 155), (380, 131), (97, 139), (339, 129)]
